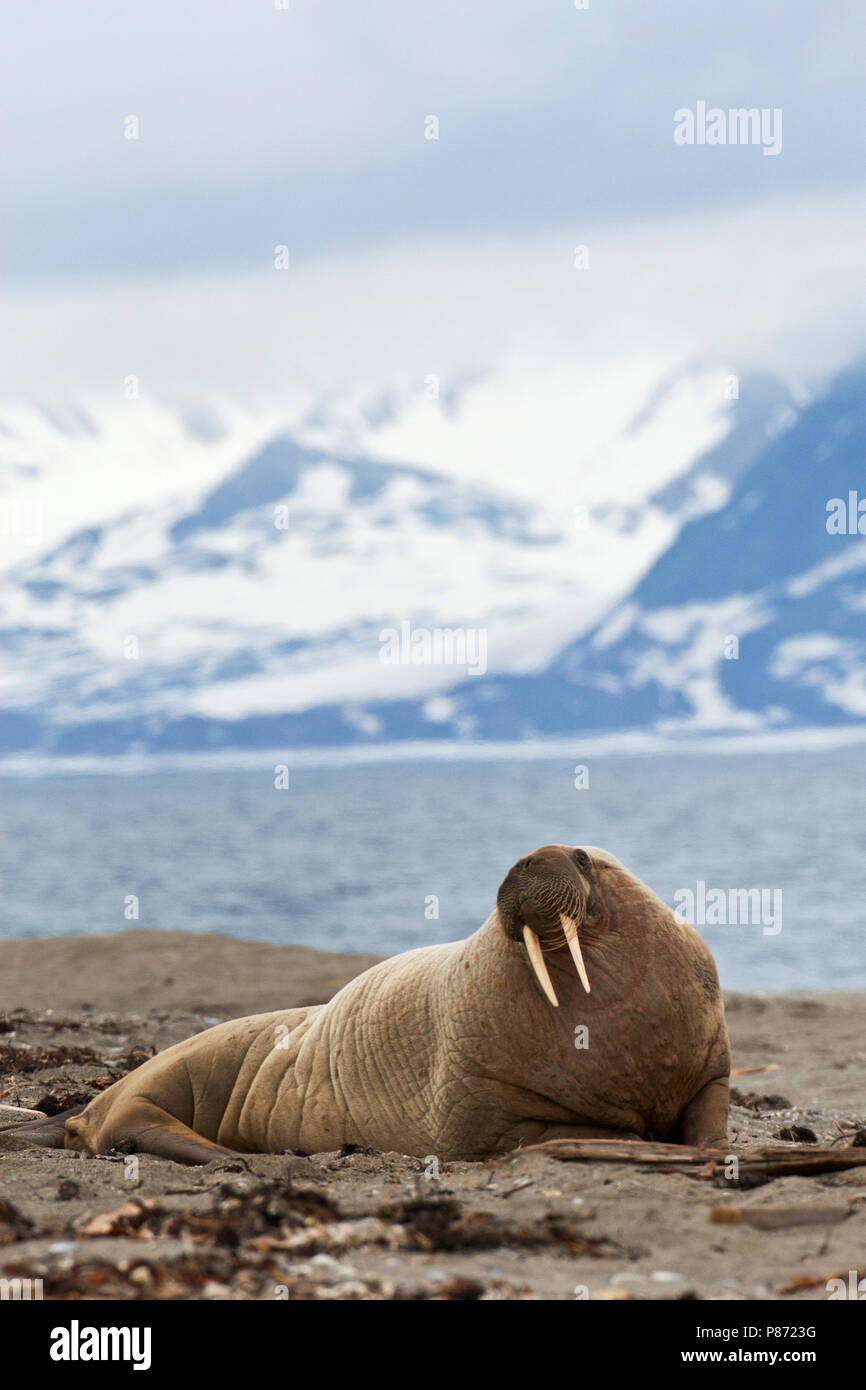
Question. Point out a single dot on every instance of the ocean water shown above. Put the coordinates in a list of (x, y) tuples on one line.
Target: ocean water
[(386, 856)]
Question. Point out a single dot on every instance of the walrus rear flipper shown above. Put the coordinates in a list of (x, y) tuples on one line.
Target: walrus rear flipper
[(147, 1129), (704, 1122), (49, 1133)]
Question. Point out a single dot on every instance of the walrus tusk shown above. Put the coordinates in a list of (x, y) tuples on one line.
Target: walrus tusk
[(536, 960), (570, 929)]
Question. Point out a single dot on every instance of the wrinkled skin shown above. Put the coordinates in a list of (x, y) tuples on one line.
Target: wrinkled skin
[(454, 1050)]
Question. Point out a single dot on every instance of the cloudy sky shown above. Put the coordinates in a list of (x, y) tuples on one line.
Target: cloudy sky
[(305, 126)]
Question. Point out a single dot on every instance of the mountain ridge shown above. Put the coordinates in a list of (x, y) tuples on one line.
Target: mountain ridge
[(253, 637)]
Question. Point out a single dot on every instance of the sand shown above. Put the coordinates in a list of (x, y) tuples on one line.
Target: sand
[(75, 1013)]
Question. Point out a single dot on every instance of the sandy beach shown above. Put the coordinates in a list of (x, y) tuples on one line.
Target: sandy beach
[(78, 1012)]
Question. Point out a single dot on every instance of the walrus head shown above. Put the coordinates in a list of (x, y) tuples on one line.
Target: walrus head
[(545, 900)]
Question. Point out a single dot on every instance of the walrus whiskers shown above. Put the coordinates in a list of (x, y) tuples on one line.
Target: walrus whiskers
[(569, 926), (536, 960)]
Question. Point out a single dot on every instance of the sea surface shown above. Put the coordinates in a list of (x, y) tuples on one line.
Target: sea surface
[(386, 856)]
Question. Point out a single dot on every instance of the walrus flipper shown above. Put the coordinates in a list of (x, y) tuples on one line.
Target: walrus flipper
[(47, 1133), (704, 1122), (149, 1129)]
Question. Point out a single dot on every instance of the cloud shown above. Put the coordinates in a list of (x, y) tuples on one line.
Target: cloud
[(306, 125), (779, 285)]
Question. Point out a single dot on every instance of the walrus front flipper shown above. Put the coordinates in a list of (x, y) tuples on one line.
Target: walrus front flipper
[(47, 1133), (147, 1129), (176, 1141), (704, 1122)]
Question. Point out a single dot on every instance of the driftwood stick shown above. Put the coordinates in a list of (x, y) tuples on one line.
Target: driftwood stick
[(771, 1161), (19, 1112), (778, 1218)]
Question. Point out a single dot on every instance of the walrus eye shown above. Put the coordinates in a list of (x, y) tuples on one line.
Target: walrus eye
[(581, 858)]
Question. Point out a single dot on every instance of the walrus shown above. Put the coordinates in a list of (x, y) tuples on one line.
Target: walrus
[(582, 1008)]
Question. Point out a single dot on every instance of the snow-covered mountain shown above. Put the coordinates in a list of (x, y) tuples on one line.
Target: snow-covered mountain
[(753, 619), (226, 582)]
